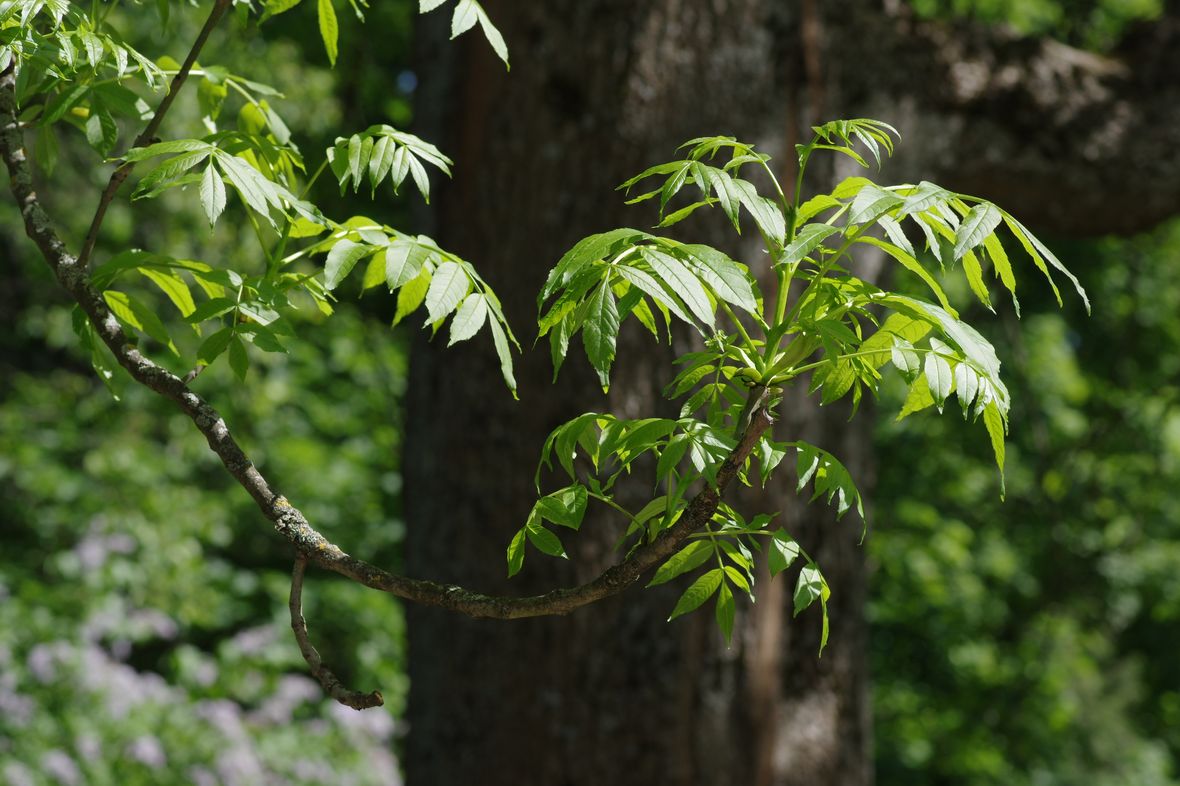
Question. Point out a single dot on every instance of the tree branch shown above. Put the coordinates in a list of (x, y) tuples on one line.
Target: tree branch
[(148, 134), (332, 685), (289, 520)]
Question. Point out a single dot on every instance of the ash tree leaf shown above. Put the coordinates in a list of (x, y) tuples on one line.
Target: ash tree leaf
[(994, 421), (600, 330), (447, 288), (728, 279), (918, 398), (504, 353), (404, 258), (586, 251), (469, 318), (966, 385), (680, 280), (725, 612), (411, 295), (544, 540), (644, 281), (870, 203), (697, 593), (239, 360), (938, 377), (973, 270), (690, 557), (782, 552), (214, 345), (516, 553), (341, 260), (807, 240), (905, 358), (212, 193), (565, 507), (809, 587), (979, 222), (465, 16), (492, 35), (329, 29)]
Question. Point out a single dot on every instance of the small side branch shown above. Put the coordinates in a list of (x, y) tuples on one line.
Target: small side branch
[(119, 176), (332, 685)]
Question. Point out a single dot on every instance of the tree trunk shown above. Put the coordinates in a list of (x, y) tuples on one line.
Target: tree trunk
[(599, 90)]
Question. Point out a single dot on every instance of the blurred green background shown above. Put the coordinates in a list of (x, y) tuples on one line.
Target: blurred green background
[(143, 627)]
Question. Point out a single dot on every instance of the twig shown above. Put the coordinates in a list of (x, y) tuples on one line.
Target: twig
[(332, 685), (148, 134), (289, 520)]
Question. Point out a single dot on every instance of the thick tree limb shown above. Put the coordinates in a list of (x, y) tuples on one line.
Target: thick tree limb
[(331, 683), (287, 519), (148, 135)]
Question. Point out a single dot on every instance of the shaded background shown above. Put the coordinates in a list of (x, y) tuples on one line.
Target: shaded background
[(1026, 642)]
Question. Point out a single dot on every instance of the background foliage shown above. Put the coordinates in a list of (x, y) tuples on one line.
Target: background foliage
[(1024, 642)]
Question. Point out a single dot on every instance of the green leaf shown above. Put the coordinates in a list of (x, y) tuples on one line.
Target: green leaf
[(643, 280), (725, 612), (447, 289), (329, 29), (671, 455), (493, 35), (969, 341), (600, 330), (966, 385), (690, 557), (213, 346), (212, 194), (898, 326), (504, 353), (465, 16), (938, 377), (677, 277), (1003, 268), (809, 587), (918, 399), (544, 540), (979, 222), (341, 260), (173, 286), (974, 273), (913, 265), (782, 552), (870, 203), (565, 507), (1039, 253), (586, 251), (133, 313), (239, 361), (807, 240), (404, 258), (728, 279), (516, 553), (994, 421), (469, 318), (905, 358), (411, 295), (697, 593)]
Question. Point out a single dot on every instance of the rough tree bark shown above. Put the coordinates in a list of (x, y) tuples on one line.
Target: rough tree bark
[(600, 89)]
